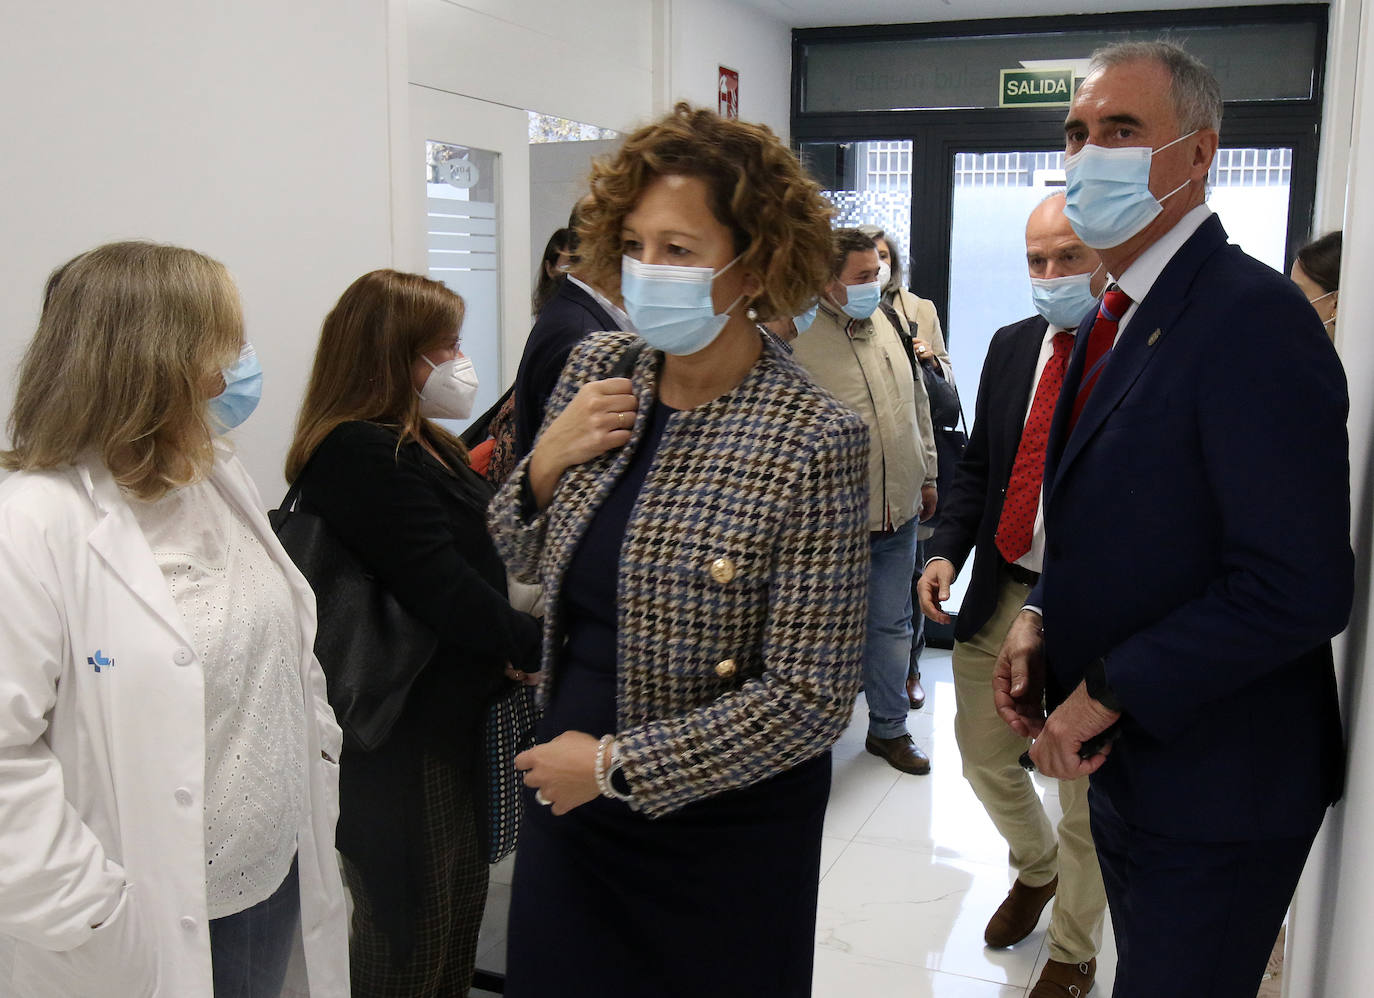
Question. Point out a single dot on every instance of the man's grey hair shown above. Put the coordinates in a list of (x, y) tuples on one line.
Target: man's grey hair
[(1195, 91)]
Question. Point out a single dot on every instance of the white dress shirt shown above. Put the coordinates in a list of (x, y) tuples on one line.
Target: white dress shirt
[(613, 310), (1141, 275)]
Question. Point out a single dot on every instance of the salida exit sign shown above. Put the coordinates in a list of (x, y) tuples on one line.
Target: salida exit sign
[(1036, 88)]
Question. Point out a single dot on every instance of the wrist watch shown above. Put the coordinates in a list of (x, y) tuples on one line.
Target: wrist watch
[(615, 775), (1095, 679)]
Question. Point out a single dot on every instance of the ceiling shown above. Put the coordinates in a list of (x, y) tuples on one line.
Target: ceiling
[(819, 13)]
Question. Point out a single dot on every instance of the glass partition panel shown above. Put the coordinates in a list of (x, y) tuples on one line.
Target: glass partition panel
[(869, 183)]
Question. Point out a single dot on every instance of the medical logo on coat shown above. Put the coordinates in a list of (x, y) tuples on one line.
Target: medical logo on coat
[(99, 661)]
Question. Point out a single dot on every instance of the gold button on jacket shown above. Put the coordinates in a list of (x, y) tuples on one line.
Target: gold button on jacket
[(726, 669), (723, 570)]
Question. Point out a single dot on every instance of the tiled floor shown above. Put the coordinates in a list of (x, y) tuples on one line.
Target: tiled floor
[(911, 870)]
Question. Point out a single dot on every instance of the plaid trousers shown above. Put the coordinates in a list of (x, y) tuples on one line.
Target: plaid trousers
[(453, 894)]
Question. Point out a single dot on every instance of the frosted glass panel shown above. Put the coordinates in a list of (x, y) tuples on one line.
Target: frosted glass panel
[(462, 240)]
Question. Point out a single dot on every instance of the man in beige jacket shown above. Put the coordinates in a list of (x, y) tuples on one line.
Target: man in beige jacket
[(853, 352)]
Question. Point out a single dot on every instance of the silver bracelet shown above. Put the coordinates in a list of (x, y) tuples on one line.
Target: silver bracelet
[(602, 786), (605, 773)]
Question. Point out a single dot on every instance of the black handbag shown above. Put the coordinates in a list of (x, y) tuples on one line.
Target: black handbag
[(370, 647), (950, 442), (944, 398)]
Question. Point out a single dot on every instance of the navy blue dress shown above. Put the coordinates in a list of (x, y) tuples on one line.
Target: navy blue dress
[(717, 898)]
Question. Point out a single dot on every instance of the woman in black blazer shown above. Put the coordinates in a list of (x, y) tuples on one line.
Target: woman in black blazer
[(396, 489)]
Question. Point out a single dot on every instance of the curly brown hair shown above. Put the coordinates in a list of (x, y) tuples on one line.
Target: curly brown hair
[(758, 190)]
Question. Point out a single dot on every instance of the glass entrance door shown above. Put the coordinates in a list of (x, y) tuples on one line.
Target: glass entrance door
[(993, 194)]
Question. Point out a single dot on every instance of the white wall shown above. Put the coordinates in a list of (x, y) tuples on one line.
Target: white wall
[(1330, 954), (708, 34), (255, 131), (1338, 109), (588, 60), (478, 66), (558, 179)]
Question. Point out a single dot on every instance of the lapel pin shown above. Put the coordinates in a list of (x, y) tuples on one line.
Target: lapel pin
[(1154, 338)]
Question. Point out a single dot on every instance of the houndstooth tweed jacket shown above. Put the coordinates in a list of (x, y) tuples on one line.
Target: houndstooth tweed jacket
[(743, 575)]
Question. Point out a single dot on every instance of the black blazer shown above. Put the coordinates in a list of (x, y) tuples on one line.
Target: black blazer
[(421, 529), (970, 512), (1198, 525), (561, 324)]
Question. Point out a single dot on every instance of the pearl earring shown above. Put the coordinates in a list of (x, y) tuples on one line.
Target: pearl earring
[(752, 314)]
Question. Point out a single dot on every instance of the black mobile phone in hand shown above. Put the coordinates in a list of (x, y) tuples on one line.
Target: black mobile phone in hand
[(1087, 750)]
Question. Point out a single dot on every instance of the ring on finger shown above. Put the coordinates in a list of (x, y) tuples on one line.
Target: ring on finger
[(540, 798)]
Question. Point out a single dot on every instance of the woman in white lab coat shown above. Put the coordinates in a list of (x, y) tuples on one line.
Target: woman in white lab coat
[(168, 776)]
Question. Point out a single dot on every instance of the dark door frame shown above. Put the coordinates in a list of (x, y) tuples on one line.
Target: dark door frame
[(937, 135)]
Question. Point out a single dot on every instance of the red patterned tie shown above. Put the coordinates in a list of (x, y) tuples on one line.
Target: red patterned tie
[(1100, 340), (1017, 523)]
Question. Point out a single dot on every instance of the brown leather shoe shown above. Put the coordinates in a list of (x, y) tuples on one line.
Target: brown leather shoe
[(1065, 980), (915, 692), (1015, 918), (901, 753)]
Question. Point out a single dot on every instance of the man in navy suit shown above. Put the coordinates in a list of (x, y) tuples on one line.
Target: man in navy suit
[(575, 311), (993, 505), (1196, 503)]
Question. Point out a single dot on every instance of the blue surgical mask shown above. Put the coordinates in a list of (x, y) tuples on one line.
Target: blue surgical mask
[(1063, 301), (1107, 192), (863, 299), (671, 307), (242, 390), (803, 322)]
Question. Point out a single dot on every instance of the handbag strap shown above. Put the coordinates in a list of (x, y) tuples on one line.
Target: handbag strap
[(293, 494), (625, 366), (962, 421)]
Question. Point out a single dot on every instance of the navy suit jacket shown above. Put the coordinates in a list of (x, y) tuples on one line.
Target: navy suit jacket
[(569, 315), (969, 514), (1197, 522)]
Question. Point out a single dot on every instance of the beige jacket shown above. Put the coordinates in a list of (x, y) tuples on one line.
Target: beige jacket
[(863, 364), (920, 321)]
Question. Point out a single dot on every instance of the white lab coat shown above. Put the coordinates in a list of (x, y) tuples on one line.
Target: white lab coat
[(102, 771)]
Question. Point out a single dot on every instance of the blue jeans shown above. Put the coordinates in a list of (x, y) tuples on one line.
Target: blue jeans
[(249, 950), (887, 644), (918, 638)]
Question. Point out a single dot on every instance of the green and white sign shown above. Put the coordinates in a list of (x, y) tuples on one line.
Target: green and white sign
[(1036, 88)]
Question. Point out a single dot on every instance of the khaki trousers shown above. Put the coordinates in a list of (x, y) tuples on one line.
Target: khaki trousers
[(990, 752)]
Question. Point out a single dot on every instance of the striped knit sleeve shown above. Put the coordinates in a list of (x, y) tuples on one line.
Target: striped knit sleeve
[(812, 646)]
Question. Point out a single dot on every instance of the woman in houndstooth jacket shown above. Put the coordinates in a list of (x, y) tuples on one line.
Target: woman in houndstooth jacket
[(699, 529)]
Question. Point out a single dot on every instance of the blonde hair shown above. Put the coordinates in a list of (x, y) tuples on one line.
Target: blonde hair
[(129, 340), (368, 345), (776, 214)]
